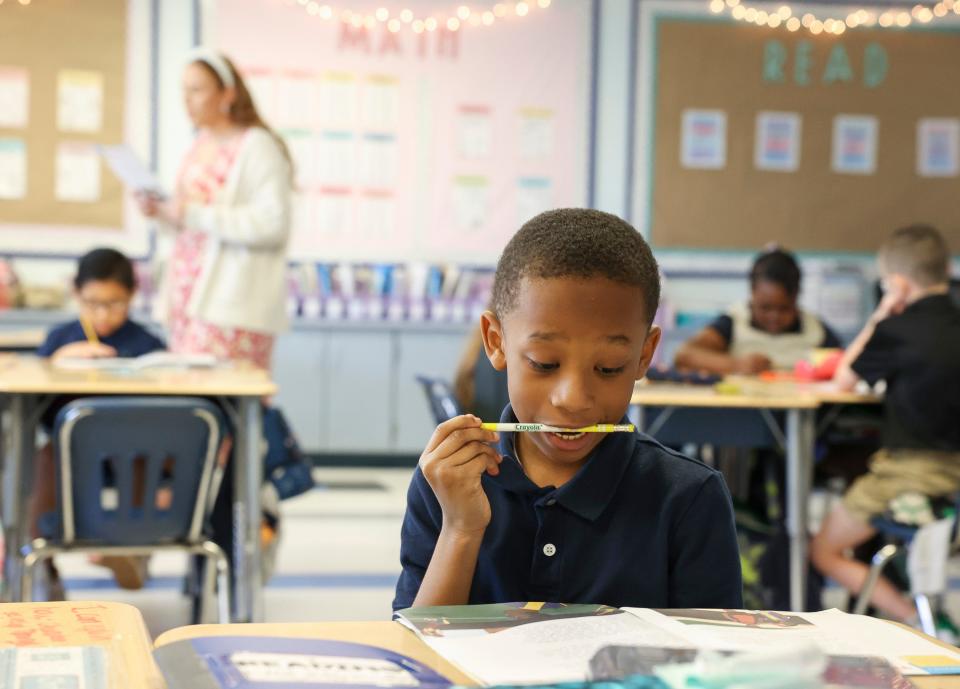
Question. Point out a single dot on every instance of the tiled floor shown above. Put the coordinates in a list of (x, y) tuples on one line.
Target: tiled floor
[(338, 559)]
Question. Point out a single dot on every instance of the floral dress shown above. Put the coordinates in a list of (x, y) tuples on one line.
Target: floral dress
[(202, 175)]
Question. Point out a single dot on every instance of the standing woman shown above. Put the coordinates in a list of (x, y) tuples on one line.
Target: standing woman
[(224, 291)]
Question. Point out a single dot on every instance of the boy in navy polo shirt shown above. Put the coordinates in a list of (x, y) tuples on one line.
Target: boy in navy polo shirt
[(104, 287), (616, 519)]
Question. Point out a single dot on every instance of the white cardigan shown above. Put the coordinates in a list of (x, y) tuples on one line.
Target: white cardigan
[(242, 282)]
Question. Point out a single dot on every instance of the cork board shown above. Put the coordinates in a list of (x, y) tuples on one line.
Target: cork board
[(702, 63), (44, 39)]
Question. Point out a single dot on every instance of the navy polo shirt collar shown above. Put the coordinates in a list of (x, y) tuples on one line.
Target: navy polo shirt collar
[(591, 489)]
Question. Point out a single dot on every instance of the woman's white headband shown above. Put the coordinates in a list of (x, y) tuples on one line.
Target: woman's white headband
[(216, 62)]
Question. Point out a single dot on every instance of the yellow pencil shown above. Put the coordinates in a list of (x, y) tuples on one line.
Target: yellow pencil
[(544, 428), (88, 330)]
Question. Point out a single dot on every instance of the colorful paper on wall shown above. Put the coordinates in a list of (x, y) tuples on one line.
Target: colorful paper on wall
[(536, 133), (470, 198), (703, 143), (77, 172), (14, 97), (79, 101), (474, 131), (381, 102), (855, 144), (13, 169), (534, 196), (777, 142), (938, 147)]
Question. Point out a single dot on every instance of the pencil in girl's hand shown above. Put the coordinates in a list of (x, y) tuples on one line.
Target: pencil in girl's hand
[(544, 428)]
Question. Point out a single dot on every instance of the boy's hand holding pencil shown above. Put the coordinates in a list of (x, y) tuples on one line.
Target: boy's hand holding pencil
[(454, 460)]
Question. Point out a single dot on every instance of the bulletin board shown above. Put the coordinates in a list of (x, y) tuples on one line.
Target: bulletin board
[(830, 142), (435, 146), (66, 84)]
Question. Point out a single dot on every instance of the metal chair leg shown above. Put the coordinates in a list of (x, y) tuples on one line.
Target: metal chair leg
[(30, 561), (33, 556), (216, 575), (223, 589), (925, 614), (878, 562), (208, 589)]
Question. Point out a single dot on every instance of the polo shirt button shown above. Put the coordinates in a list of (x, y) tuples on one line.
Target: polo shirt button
[(551, 502), (549, 550)]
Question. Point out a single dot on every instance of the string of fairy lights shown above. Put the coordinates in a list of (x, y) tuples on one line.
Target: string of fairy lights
[(394, 21), (784, 15)]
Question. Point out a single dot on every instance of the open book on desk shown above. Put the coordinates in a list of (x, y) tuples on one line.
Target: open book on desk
[(152, 360), (537, 643)]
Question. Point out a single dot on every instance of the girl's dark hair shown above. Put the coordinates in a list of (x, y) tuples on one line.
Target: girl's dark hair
[(779, 267), (105, 264), (243, 110)]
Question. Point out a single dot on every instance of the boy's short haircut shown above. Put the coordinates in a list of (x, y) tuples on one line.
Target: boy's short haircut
[(105, 265), (576, 243), (918, 252), (779, 267)]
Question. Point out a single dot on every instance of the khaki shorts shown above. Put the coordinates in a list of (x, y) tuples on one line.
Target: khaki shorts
[(893, 472)]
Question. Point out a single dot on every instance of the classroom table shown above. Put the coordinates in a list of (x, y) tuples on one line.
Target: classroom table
[(395, 637), (117, 627), (29, 384), (21, 340), (799, 402)]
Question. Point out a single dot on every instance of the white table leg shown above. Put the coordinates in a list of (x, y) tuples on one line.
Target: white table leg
[(248, 477), (17, 487), (800, 447)]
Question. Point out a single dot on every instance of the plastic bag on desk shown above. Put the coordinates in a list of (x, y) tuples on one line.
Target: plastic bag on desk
[(798, 666), (791, 667)]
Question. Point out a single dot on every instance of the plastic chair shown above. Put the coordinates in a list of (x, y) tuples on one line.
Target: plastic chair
[(440, 396), (899, 537), (136, 475)]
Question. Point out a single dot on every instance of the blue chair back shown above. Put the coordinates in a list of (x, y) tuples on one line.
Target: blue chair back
[(440, 396), (135, 470)]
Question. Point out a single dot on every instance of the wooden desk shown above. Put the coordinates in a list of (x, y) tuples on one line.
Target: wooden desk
[(21, 340), (393, 636), (27, 387), (117, 627), (799, 403)]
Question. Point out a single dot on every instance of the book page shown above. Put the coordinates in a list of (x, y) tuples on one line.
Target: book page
[(836, 633), (527, 651)]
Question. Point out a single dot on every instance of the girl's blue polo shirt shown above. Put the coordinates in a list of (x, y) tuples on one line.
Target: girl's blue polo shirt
[(639, 525)]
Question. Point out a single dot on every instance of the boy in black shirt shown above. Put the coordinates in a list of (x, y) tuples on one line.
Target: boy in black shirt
[(912, 341)]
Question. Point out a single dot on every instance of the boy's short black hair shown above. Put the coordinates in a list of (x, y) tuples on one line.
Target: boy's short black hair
[(577, 243), (779, 267), (105, 264), (918, 252)]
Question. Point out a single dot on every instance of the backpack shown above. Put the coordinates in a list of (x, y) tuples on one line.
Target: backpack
[(285, 465)]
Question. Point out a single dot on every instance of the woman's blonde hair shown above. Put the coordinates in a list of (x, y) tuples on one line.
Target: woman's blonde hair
[(243, 111)]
